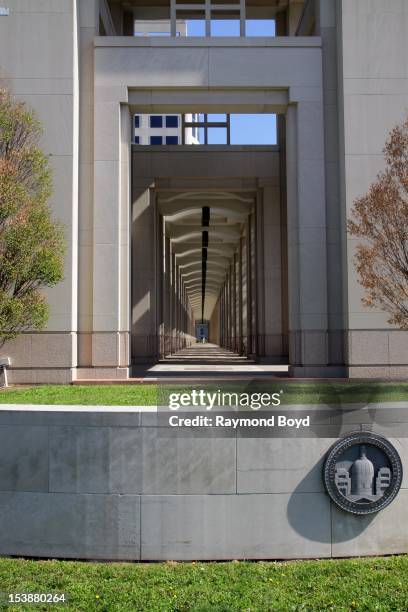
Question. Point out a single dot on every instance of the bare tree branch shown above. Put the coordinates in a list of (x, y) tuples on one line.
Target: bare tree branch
[(380, 219)]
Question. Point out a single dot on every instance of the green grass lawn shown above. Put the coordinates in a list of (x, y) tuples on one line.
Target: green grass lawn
[(341, 585), (294, 392), (95, 395), (344, 392)]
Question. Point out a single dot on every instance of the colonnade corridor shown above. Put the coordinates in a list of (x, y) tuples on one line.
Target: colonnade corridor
[(206, 353), (216, 289), (206, 362)]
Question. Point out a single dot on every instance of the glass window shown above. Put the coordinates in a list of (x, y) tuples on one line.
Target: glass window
[(172, 140), (217, 135), (195, 118), (253, 129), (137, 121), (172, 121), (156, 121), (217, 118), (156, 140), (195, 26), (260, 27), (201, 135), (156, 33), (137, 139), (225, 27)]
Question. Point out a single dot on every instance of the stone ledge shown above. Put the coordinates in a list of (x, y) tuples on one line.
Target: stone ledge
[(101, 373)]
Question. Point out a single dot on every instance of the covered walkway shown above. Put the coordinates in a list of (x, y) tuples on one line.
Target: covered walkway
[(203, 362)]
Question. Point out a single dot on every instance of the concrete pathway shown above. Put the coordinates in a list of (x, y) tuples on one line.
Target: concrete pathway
[(211, 361)]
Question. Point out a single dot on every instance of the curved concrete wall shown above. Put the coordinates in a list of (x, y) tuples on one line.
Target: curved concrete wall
[(113, 485)]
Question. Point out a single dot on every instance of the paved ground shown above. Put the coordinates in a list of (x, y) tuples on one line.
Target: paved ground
[(210, 360)]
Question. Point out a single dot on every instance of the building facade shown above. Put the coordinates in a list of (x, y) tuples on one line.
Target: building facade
[(157, 129), (163, 130), (250, 239)]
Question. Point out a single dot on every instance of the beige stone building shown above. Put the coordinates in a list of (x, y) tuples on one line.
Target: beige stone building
[(249, 238)]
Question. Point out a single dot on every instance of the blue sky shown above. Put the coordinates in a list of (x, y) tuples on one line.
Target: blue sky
[(253, 129), (230, 27), (245, 129)]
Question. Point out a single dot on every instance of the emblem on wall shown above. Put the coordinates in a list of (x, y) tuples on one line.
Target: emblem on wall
[(362, 472)]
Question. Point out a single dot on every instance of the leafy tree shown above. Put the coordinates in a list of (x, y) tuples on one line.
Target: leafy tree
[(380, 218), (31, 244)]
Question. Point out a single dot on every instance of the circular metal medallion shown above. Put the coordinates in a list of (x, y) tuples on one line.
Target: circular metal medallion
[(362, 472)]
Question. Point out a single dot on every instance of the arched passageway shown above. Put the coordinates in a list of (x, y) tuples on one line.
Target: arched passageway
[(208, 258)]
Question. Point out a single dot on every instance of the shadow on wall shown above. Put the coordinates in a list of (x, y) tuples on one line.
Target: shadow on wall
[(321, 528), (340, 526)]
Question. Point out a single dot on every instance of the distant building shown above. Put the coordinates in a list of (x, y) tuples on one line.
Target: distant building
[(163, 130)]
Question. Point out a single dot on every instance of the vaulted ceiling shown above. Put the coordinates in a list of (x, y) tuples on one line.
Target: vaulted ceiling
[(204, 259)]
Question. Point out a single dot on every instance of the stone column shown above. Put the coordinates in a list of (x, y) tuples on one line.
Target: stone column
[(214, 329), (222, 323), (254, 288), (249, 288), (234, 302), (221, 316), (224, 314), (281, 128), (185, 322), (173, 304), (240, 297), (259, 302), (161, 288), (336, 294), (177, 307), (179, 310), (244, 276), (272, 274), (144, 273), (167, 295), (237, 301), (183, 313), (111, 269), (227, 312), (230, 310), (89, 21), (306, 239)]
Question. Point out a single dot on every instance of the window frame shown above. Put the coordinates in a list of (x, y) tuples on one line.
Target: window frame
[(176, 117), (153, 117)]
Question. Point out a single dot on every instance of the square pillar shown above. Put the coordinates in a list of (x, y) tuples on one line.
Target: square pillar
[(307, 243), (111, 236)]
